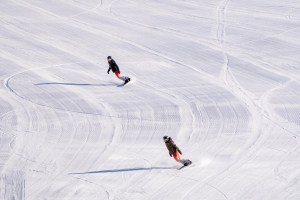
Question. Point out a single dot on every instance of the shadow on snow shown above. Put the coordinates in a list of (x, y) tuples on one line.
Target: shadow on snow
[(76, 84), (125, 170)]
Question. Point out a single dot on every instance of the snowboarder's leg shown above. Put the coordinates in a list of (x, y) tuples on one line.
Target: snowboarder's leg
[(177, 156), (117, 74), (123, 78)]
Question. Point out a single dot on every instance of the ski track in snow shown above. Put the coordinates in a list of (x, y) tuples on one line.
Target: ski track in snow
[(209, 74)]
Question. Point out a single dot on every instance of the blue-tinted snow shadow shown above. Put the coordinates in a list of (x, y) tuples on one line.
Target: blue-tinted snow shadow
[(76, 84), (125, 170), (121, 85)]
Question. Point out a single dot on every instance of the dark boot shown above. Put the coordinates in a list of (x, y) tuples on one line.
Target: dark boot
[(127, 80)]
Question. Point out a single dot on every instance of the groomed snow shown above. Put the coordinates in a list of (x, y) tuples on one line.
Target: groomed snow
[(221, 77)]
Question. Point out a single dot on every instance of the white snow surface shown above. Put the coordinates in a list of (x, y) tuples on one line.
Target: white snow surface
[(221, 77)]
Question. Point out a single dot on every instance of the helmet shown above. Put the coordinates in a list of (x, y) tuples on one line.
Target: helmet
[(166, 138), (108, 57)]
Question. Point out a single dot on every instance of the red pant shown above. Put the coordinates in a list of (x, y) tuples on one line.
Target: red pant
[(177, 156), (117, 74)]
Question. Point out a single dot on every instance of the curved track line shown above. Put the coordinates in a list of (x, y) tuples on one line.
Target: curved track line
[(222, 21), (7, 85)]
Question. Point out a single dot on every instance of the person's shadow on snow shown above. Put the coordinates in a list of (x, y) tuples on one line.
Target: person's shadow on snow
[(124, 170), (75, 84)]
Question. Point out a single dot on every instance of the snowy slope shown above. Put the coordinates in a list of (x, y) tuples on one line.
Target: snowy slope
[(222, 78)]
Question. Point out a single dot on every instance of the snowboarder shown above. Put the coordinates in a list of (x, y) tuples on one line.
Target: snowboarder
[(175, 151), (115, 68)]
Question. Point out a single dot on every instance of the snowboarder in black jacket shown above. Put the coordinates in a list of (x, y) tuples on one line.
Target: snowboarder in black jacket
[(115, 68), (175, 151)]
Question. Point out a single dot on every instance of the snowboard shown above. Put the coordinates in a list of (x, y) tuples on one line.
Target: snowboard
[(125, 83), (189, 164)]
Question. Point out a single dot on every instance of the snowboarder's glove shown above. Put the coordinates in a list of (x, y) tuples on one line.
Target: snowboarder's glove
[(170, 154)]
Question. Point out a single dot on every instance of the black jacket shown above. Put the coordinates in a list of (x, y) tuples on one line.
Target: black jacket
[(172, 147), (113, 66)]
